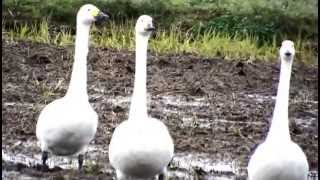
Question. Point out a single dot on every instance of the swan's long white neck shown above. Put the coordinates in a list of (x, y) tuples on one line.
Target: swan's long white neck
[(138, 107), (78, 83), (279, 129)]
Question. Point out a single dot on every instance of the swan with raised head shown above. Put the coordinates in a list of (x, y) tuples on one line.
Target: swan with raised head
[(278, 157), (141, 147), (67, 125)]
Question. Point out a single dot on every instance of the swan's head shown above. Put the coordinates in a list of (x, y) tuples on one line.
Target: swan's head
[(144, 25), (287, 50), (89, 13)]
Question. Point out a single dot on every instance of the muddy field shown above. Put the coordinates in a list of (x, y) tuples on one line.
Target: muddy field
[(216, 110)]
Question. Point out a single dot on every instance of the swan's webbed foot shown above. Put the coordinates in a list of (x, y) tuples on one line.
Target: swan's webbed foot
[(80, 161)]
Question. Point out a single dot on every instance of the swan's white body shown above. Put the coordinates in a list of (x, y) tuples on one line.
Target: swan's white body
[(278, 157), (67, 125), (141, 147)]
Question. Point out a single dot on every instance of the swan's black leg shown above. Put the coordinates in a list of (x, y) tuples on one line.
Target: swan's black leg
[(44, 157), (80, 160), (163, 174)]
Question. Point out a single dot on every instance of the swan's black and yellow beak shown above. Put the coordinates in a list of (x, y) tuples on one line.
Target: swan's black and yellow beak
[(150, 27), (288, 54), (102, 16), (99, 15)]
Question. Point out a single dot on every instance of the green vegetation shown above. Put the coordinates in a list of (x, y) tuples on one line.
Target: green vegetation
[(233, 29), (174, 40)]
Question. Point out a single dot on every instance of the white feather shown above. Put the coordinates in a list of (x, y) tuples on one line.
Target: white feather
[(278, 157), (67, 125), (141, 147)]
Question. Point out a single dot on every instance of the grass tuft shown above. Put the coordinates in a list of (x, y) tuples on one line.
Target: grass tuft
[(167, 41)]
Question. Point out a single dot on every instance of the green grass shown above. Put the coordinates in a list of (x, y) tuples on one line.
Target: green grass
[(233, 29), (129, 8), (261, 18), (166, 41)]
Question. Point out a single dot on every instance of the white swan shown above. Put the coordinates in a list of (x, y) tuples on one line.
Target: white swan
[(141, 147), (67, 125), (278, 157)]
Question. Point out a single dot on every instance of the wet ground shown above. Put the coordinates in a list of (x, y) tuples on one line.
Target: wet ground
[(216, 110)]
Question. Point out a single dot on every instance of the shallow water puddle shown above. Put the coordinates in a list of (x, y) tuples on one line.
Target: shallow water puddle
[(309, 117), (119, 100), (305, 122), (260, 98), (183, 101), (195, 164), (183, 165), (34, 159), (17, 175), (167, 100), (192, 122), (208, 123)]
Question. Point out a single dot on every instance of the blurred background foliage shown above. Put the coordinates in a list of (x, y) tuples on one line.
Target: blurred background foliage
[(263, 19)]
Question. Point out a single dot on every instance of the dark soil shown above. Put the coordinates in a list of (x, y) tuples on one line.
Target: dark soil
[(31, 72)]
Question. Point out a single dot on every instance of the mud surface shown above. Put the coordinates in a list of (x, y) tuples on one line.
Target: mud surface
[(216, 110)]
